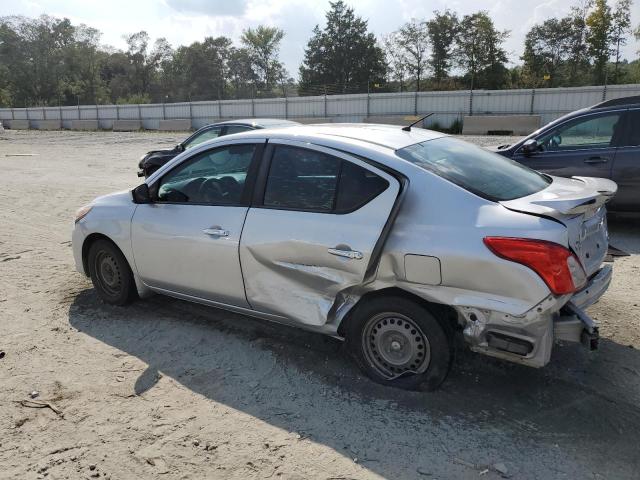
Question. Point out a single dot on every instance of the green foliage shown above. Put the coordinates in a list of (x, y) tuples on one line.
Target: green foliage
[(442, 30), (135, 99), (262, 47), (344, 56), (599, 38), (479, 51), (50, 61)]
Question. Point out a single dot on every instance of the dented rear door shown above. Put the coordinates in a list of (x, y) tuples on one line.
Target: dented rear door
[(314, 229)]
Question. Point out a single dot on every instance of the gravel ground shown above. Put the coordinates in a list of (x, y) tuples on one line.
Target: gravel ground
[(166, 388)]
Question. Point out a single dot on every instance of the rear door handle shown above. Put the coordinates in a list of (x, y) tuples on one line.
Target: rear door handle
[(592, 160), (354, 255), (218, 232)]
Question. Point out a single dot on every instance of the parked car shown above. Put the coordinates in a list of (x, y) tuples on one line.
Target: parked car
[(397, 241), (599, 141), (154, 159)]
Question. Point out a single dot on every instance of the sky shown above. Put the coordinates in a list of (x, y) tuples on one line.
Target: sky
[(185, 21)]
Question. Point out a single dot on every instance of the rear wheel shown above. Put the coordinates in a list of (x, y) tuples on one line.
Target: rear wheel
[(398, 342), (110, 273)]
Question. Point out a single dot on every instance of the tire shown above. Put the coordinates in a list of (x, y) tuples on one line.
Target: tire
[(400, 343), (110, 273)]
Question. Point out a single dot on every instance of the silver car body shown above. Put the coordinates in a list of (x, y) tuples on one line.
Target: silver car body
[(423, 235)]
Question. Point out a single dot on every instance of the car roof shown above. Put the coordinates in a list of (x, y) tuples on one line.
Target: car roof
[(618, 102), (389, 136)]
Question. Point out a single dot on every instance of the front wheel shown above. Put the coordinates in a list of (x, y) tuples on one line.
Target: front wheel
[(110, 273), (398, 342)]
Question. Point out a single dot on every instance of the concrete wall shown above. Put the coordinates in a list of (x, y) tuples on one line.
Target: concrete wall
[(126, 125), (396, 108), (16, 124), (175, 125), (84, 124), (516, 124), (45, 124)]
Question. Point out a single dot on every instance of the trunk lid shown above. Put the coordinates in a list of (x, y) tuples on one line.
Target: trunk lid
[(578, 203)]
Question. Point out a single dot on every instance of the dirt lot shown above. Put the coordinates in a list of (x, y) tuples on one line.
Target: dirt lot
[(166, 389)]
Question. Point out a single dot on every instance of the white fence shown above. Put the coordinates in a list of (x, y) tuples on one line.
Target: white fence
[(550, 103)]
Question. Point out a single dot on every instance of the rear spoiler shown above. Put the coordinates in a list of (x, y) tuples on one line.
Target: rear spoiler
[(567, 198)]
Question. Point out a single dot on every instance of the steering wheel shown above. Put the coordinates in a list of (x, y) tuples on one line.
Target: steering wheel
[(210, 190)]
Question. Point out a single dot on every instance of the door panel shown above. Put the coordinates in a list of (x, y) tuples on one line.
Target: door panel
[(626, 168), (296, 262), (172, 251), (572, 163), (187, 240)]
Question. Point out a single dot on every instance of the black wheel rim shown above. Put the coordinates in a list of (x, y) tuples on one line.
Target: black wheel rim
[(394, 345), (108, 273)]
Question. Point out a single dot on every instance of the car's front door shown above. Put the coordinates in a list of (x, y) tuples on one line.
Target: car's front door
[(626, 167), (187, 240), (585, 146), (312, 230)]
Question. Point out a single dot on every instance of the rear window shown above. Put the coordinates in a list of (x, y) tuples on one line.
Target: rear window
[(484, 173)]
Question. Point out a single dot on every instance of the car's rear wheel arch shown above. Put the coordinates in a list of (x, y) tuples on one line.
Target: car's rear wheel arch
[(445, 314)]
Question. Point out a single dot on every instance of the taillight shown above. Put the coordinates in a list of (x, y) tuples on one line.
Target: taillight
[(556, 265)]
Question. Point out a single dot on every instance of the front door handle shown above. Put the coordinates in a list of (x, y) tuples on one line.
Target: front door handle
[(354, 255), (592, 160), (216, 231)]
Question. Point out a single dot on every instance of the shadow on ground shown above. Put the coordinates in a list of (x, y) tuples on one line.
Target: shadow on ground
[(577, 416)]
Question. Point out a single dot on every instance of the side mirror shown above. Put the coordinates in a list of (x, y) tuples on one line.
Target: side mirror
[(180, 147), (141, 194), (530, 147)]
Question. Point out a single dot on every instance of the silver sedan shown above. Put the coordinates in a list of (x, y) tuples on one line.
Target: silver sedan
[(396, 240)]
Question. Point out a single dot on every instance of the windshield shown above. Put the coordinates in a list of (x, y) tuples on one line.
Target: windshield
[(484, 173)]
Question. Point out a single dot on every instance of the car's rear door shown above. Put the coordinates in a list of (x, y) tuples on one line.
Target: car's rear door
[(186, 241), (314, 229), (584, 146), (626, 167)]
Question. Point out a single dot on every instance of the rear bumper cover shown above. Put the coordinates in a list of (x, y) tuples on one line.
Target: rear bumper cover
[(529, 339)]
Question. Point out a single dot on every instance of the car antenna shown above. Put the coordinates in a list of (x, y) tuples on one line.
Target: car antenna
[(408, 127)]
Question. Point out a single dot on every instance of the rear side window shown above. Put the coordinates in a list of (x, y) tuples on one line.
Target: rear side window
[(231, 129), (302, 179), (632, 138), (484, 173)]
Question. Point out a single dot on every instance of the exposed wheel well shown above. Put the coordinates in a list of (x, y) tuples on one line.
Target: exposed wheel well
[(90, 240), (445, 314)]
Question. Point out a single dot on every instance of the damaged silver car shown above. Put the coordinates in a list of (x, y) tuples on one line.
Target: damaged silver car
[(397, 240)]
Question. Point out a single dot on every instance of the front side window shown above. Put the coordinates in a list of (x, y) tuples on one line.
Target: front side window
[(484, 173), (209, 134), (592, 132), (214, 177), (308, 180)]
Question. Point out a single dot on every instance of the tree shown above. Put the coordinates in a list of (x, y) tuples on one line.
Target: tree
[(479, 51), (241, 75), (263, 46), (579, 66), (620, 28), (546, 51), (396, 59), (599, 38), (442, 30), (413, 39), (343, 56)]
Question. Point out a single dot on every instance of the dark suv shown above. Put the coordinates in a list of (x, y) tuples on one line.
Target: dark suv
[(599, 141), (153, 160)]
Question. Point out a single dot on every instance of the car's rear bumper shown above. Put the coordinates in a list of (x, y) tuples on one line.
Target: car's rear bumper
[(529, 339), (594, 289)]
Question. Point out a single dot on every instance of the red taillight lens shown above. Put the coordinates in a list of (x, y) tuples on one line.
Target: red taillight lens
[(553, 262)]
